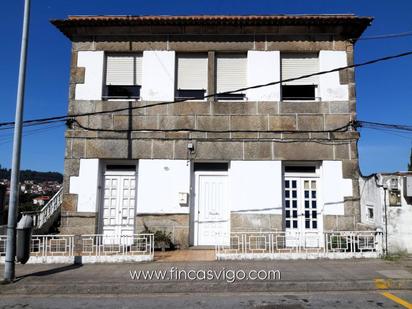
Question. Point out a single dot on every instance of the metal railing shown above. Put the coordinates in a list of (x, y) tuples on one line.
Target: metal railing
[(46, 245), (103, 245), (42, 216), (351, 243), (90, 245), (348, 241)]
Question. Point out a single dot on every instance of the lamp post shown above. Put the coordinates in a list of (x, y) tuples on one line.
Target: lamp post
[(9, 266)]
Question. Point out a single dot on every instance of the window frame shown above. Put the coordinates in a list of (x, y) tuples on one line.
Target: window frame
[(237, 97), (317, 97), (369, 207), (105, 88), (177, 90)]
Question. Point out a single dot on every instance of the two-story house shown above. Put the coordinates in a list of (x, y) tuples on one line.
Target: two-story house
[(148, 149)]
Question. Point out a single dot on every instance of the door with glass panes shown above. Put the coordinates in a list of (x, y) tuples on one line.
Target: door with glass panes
[(301, 212)]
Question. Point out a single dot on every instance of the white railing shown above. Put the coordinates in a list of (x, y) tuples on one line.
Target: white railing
[(273, 245), (125, 245), (42, 216), (46, 245), (91, 248), (52, 245)]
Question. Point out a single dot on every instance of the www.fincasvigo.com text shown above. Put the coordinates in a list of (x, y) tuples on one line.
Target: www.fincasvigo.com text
[(228, 275)]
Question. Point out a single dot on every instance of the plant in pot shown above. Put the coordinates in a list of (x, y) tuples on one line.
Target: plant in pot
[(162, 239)]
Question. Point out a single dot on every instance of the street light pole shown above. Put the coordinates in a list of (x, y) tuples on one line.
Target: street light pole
[(9, 266)]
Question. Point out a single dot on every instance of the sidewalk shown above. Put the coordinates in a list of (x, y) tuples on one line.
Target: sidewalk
[(296, 276)]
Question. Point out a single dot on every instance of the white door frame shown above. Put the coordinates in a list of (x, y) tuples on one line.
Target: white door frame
[(310, 233), (105, 173), (197, 174)]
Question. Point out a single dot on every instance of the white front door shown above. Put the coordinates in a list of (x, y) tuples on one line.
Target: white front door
[(212, 213), (119, 204), (302, 217)]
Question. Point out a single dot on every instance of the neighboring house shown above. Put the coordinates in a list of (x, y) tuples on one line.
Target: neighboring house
[(41, 200), (387, 197), (262, 159)]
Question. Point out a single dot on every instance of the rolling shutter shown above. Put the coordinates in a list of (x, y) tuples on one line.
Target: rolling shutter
[(230, 72), (295, 65), (192, 72), (124, 70)]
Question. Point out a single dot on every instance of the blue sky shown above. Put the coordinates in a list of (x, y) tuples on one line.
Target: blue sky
[(384, 90)]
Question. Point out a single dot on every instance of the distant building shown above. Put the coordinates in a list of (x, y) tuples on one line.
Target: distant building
[(388, 197), (41, 200)]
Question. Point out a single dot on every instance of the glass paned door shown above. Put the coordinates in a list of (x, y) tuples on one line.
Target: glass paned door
[(300, 209)]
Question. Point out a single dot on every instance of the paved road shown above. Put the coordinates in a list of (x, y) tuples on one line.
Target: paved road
[(304, 284), (351, 300)]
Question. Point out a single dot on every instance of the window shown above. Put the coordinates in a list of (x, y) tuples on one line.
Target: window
[(191, 76), (300, 169), (211, 166), (230, 75), (296, 65), (395, 198), (123, 76), (370, 212)]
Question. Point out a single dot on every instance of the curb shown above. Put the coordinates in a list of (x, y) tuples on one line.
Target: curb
[(139, 287)]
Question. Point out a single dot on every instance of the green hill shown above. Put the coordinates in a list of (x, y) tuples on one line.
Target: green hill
[(33, 175)]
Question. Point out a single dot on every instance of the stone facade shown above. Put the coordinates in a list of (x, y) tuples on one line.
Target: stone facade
[(249, 130)]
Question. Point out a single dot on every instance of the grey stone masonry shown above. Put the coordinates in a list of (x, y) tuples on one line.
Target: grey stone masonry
[(220, 131)]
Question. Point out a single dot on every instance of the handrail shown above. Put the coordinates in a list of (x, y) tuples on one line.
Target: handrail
[(41, 216)]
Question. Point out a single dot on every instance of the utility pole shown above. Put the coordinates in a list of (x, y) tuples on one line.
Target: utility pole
[(9, 266)]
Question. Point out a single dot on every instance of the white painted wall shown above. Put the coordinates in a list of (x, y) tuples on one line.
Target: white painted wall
[(330, 88), (159, 184), (334, 188), (263, 67), (91, 89), (256, 186), (158, 81), (371, 195), (399, 217), (85, 185)]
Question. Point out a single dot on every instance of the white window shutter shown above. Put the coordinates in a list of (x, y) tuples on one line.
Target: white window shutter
[(296, 65), (119, 70), (230, 72), (192, 72)]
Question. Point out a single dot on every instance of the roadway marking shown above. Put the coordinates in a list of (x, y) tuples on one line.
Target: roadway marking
[(383, 284)]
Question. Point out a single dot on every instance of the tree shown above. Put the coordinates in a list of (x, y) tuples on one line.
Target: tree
[(410, 162)]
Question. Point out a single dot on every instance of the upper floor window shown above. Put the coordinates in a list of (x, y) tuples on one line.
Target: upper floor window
[(123, 76), (296, 65), (191, 75), (230, 75)]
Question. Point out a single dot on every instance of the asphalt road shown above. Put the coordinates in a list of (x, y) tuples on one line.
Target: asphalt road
[(348, 299)]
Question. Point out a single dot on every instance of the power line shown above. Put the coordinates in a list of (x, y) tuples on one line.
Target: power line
[(8, 139), (339, 129), (380, 125), (385, 36), (393, 132), (30, 125), (41, 121)]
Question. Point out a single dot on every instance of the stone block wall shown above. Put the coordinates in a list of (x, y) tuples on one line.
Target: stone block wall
[(245, 127)]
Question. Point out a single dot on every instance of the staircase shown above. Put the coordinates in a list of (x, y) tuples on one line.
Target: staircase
[(47, 217)]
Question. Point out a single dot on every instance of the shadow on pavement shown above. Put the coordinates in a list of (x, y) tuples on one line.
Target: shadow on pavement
[(50, 271)]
